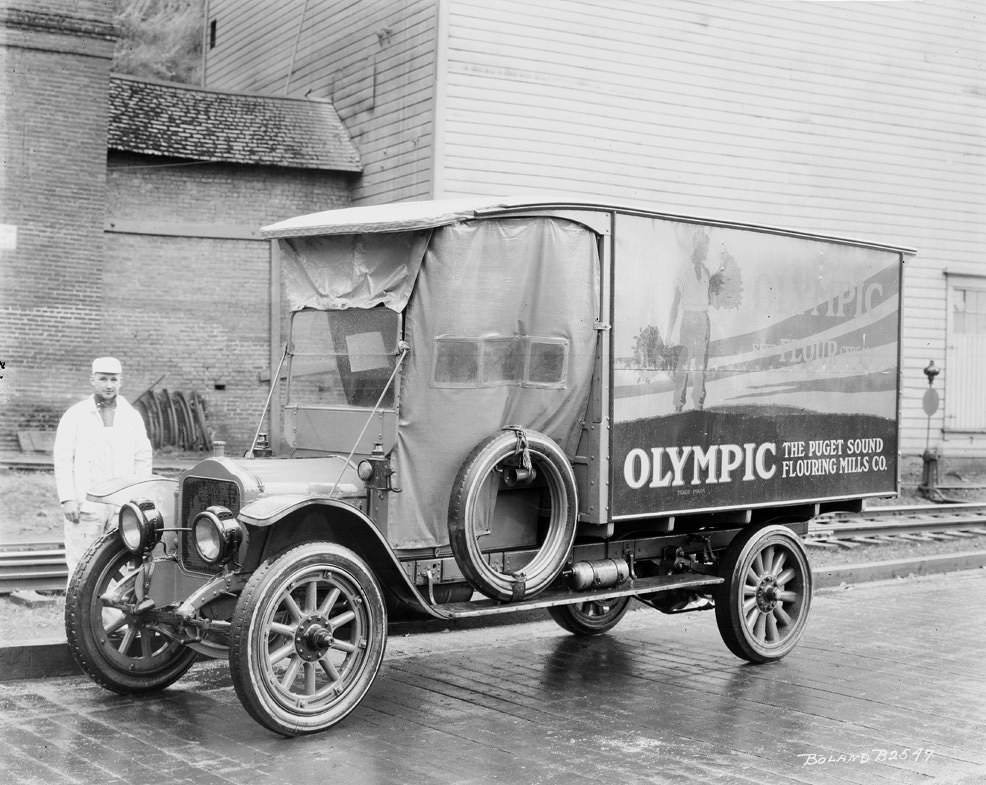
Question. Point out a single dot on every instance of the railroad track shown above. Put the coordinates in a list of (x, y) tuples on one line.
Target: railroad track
[(41, 566), (38, 566), (889, 524)]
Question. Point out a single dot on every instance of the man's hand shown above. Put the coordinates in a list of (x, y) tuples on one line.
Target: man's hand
[(70, 510)]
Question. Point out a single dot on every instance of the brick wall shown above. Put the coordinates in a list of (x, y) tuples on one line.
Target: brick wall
[(195, 308), (145, 258), (55, 60)]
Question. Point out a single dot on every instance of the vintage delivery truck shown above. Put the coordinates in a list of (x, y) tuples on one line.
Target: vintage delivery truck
[(494, 405)]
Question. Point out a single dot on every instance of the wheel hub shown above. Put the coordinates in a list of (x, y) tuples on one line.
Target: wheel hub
[(767, 593), (312, 638)]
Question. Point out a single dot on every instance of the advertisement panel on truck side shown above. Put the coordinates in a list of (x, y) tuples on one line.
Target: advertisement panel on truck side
[(750, 367)]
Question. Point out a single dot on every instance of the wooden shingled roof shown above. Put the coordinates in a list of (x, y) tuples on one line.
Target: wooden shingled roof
[(179, 121)]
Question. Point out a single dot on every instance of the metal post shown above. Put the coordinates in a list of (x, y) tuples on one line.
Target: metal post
[(929, 478)]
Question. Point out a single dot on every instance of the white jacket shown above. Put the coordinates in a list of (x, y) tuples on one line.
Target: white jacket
[(87, 453)]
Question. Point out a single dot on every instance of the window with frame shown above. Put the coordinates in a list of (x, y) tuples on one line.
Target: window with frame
[(521, 361), (969, 311), (343, 358)]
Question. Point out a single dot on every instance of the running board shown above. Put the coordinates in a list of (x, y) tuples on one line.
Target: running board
[(634, 586)]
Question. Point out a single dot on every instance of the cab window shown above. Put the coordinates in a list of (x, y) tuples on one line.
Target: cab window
[(343, 358)]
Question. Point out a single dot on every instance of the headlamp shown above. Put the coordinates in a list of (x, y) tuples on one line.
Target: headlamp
[(217, 534), (140, 525)]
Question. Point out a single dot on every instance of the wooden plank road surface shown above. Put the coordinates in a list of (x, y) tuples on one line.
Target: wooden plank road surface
[(888, 686)]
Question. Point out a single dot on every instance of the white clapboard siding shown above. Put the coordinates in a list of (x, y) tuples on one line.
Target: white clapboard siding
[(642, 106), (862, 119)]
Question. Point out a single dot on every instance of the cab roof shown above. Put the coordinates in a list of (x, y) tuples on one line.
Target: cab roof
[(411, 216), (432, 213)]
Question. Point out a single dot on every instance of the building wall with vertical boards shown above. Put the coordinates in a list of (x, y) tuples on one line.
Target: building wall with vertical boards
[(854, 119), (375, 60)]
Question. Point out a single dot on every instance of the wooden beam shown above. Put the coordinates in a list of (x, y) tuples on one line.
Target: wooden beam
[(276, 343), (177, 229)]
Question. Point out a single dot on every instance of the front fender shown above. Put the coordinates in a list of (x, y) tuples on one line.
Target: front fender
[(268, 510), (335, 521), (119, 491)]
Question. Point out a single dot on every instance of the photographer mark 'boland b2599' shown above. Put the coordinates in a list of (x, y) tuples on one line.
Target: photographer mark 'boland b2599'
[(503, 404)]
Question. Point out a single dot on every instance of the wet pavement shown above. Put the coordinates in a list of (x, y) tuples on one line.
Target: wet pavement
[(888, 686)]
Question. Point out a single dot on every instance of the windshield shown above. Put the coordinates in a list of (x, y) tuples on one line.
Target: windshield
[(343, 358)]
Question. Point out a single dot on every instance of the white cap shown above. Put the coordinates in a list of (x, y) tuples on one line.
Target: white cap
[(107, 365)]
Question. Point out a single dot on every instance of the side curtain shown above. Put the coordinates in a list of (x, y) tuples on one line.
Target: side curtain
[(502, 331)]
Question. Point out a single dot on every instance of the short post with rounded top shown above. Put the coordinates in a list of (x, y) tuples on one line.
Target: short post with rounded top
[(929, 478)]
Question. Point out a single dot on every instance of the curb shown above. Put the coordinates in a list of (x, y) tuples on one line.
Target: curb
[(863, 572), (37, 661), (53, 658)]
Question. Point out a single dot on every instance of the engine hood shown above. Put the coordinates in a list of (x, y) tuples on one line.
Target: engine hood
[(325, 477)]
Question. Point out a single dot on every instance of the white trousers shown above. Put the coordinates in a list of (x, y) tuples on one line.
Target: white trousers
[(79, 536)]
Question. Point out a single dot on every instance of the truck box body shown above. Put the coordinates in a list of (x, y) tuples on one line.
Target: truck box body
[(750, 367)]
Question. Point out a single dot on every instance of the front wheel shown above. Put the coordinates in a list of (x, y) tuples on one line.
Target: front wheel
[(118, 648), (308, 637), (590, 618), (762, 608)]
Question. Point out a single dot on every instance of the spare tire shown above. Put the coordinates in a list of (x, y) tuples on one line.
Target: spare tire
[(470, 504)]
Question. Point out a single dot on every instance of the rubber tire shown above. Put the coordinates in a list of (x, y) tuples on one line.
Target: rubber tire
[(737, 631), (327, 566), (94, 648), (154, 417), (578, 621), (551, 464)]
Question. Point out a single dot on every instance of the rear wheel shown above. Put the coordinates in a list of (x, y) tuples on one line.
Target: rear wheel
[(308, 637), (762, 608), (590, 618), (118, 649)]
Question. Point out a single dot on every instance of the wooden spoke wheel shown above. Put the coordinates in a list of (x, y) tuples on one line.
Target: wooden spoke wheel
[(308, 637), (118, 648), (590, 618), (762, 608)]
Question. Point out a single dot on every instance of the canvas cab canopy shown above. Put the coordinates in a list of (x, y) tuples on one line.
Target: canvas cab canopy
[(500, 314)]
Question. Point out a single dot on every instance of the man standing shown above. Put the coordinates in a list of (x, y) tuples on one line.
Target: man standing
[(99, 438)]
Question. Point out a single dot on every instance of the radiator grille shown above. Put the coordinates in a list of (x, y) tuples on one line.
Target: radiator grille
[(197, 493)]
